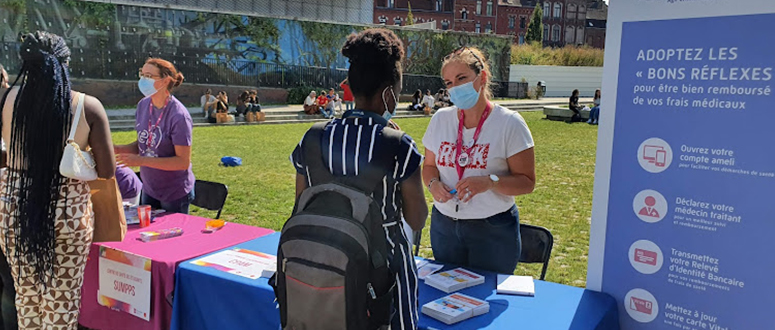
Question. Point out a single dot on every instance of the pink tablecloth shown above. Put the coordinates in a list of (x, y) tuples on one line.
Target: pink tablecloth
[(165, 255)]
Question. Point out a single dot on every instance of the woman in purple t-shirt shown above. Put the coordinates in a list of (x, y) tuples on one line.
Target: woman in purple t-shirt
[(163, 146)]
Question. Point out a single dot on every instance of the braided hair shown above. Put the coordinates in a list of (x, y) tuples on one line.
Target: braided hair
[(41, 121)]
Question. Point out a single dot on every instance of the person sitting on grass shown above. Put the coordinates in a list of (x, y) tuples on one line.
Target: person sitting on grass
[(311, 103)]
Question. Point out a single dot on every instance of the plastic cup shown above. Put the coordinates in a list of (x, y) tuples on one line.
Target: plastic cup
[(144, 214)]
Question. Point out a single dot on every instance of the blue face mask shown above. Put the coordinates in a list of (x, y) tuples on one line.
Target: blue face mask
[(388, 114), (464, 96), (146, 86)]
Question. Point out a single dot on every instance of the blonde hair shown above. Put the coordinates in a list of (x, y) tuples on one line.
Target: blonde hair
[(476, 60)]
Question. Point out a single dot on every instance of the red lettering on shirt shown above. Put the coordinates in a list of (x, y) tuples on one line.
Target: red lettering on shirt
[(479, 154)]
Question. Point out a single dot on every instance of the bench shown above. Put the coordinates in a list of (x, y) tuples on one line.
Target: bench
[(562, 114)]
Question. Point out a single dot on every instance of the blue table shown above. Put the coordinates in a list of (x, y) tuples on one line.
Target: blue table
[(206, 298), (554, 307)]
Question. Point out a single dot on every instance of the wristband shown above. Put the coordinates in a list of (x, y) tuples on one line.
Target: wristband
[(430, 184)]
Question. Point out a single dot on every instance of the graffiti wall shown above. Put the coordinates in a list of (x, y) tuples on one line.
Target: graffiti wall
[(111, 41)]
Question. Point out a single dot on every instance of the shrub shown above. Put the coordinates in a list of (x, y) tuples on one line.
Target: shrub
[(297, 95), (535, 54)]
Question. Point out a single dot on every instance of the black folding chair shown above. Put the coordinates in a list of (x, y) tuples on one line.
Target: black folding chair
[(210, 195), (537, 243)]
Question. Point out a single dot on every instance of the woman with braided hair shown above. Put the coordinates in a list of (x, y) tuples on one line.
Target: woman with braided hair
[(46, 219)]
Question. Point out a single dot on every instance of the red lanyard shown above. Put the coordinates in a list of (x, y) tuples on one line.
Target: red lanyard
[(151, 128), (461, 168)]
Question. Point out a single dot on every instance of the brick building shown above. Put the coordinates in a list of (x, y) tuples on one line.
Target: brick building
[(514, 18), (597, 19), (566, 22), (395, 12), (478, 16)]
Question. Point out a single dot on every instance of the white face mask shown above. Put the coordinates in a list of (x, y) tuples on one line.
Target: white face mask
[(389, 114)]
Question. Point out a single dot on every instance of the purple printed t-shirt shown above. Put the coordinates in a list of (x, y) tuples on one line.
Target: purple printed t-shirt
[(128, 183), (174, 129)]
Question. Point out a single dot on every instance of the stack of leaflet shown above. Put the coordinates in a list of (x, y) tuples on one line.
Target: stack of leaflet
[(518, 285), (454, 280), (455, 308)]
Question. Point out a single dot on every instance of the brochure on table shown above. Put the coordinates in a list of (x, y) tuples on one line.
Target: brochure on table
[(125, 282), (685, 175), (242, 262)]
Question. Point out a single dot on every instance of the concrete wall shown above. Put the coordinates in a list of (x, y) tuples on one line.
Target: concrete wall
[(560, 80)]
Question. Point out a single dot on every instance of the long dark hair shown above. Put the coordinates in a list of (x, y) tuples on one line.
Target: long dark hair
[(41, 122)]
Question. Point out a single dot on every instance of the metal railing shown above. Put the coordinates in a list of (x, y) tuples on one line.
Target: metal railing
[(111, 65)]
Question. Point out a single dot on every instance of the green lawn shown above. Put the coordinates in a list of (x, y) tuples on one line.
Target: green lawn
[(261, 191)]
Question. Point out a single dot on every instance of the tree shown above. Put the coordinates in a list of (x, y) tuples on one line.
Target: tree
[(410, 16), (535, 30)]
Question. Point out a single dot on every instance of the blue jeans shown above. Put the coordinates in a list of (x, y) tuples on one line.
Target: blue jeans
[(327, 112), (349, 105), (492, 244), (594, 114), (177, 206)]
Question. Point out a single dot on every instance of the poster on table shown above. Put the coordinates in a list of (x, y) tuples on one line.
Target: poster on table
[(125, 282), (242, 262), (682, 218)]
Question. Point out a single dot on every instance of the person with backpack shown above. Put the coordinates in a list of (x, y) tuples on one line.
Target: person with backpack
[(343, 260)]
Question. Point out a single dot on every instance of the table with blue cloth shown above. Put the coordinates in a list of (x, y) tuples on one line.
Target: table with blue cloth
[(206, 298)]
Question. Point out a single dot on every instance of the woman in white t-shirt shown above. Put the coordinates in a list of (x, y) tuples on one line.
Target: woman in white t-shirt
[(427, 100), (475, 222)]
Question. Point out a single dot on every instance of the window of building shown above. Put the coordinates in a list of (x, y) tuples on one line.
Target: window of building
[(546, 32), (397, 21), (488, 28), (571, 12), (580, 34), (523, 22), (489, 8), (478, 7), (582, 12), (547, 9), (391, 3), (439, 5), (382, 20), (478, 28), (556, 32), (512, 22), (445, 25), (570, 33), (521, 38), (464, 14), (557, 10)]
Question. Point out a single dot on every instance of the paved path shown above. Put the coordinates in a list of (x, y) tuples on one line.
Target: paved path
[(298, 107)]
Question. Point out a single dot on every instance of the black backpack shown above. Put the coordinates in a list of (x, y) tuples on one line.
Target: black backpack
[(332, 270)]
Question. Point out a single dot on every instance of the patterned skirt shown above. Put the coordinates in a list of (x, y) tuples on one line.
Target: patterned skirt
[(54, 306)]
